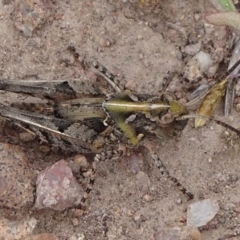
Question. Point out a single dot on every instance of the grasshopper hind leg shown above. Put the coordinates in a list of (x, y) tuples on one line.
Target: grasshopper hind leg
[(104, 72), (110, 154), (163, 170)]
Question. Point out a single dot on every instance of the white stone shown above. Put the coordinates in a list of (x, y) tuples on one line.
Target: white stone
[(200, 213)]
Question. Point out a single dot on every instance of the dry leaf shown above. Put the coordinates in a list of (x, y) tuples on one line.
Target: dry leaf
[(210, 102)]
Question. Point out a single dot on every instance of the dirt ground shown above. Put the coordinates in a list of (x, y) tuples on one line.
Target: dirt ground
[(144, 46)]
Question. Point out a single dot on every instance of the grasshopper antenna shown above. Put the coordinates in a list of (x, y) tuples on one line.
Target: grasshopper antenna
[(221, 123), (203, 94)]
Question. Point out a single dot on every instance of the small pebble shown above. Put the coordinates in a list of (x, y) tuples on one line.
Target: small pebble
[(179, 201), (75, 222), (57, 188), (140, 55), (200, 213), (193, 49), (197, 65)]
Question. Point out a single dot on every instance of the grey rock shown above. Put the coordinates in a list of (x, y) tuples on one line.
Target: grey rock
[(200, 213)]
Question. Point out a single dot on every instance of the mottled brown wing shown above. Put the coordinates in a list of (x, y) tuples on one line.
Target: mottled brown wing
[(63, 133)]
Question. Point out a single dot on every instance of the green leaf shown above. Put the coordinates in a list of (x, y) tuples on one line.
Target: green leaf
[(227, 5)]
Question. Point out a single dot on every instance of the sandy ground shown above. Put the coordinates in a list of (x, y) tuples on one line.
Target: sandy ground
[(143, 46)]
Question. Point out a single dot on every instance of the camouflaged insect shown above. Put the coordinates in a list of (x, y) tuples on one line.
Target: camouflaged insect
[(93, 115)]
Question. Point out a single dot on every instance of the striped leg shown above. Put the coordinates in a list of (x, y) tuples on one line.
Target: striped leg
[(163, 170)]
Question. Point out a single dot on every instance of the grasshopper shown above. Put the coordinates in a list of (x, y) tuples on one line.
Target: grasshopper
[(97, 117)]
